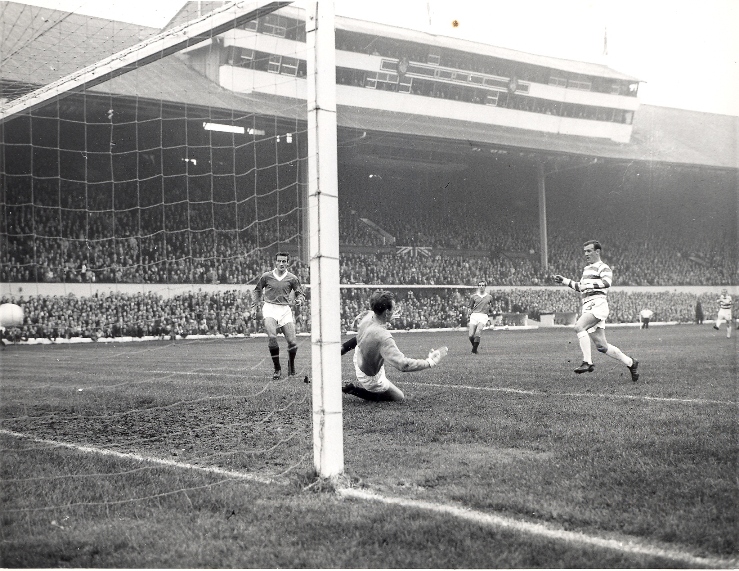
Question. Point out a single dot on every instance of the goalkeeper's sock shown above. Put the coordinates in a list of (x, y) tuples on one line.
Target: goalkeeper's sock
[(367, 395), (475, 344), (584, 340), (615, 353)]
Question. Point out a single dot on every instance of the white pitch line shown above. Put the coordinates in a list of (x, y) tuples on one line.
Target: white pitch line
[(627, 545), (139, 458), (591, 395)]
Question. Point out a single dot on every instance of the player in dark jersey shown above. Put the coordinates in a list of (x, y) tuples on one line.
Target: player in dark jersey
[(479, 305), (273, 290)]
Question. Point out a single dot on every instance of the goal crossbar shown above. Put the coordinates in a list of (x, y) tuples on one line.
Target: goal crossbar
[(147, 51)]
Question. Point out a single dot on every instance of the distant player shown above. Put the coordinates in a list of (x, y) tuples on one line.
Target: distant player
[(725, 304), (479, 305), (375, 346), (645, 316), (595, 281), (274, 289)]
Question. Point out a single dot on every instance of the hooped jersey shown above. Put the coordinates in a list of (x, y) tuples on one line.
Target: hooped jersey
[(725, 302), (596, 279)]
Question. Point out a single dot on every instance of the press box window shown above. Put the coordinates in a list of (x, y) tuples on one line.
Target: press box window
[(274, 64), (289, 66), (560, 81)]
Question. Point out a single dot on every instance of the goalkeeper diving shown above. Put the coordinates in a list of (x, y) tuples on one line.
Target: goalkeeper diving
[(375, 346)]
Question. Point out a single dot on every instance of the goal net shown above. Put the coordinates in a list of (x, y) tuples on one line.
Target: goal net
[(149, 177)]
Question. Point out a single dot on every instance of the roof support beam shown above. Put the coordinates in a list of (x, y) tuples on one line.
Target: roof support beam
[(150, 50)]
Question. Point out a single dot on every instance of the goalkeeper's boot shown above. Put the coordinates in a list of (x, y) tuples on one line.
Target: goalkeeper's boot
[(585, 367), (715, 327), (632, 370), (348, 389), (277, 374)]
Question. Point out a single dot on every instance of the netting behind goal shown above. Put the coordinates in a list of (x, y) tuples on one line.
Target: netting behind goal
[(160, 175), (150, 189)]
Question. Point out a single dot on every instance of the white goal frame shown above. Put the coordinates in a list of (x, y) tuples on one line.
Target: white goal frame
[(323, 207), (322, 184)]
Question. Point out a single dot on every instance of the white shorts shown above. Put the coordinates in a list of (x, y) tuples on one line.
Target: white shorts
[(375, 384), (598, 307), (282, 314), (478, 318), (724, 314)]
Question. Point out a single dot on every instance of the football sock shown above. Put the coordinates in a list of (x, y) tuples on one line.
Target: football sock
[(585, 347), (367, 395), (616, 353), (292, 350), (274, 350), (475, 344)]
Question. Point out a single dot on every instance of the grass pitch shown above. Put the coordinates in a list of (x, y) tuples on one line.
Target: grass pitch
[(511, 433)]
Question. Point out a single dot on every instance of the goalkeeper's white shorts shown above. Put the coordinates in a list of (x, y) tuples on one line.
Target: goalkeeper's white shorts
[(376, 383), (282, 314), (724, 314), (478, 318), (598, 307)]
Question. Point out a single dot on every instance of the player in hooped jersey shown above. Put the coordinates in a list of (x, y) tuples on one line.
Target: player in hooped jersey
[(594, 284), (479, 305), (725, 304), (274, 289)]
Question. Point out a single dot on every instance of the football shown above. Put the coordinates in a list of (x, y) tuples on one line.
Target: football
[(11, 315)]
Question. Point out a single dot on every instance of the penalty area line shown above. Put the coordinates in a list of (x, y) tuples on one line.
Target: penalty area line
[(628, 545), (138, 457)]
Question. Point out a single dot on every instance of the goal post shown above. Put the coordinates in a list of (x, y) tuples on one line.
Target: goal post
[(323, 206)]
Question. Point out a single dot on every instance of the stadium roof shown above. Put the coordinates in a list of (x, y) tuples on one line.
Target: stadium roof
[(194, 9), (40, 45)]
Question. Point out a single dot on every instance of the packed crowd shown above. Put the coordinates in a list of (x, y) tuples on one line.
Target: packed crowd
[(230, 313), (229, 257), (178, 243)]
